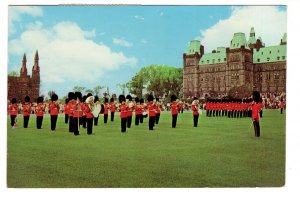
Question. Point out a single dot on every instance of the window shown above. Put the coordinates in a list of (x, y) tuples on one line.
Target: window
[(237, 44), (258, 60), (262, 53), (208, 61), (283, 57), (224, 59), (278, 58), (213, 61), (268, 59), (202, 61), (219, 60), (270, 52)]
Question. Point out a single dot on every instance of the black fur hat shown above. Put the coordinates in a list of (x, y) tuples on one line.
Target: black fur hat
[(54, 97), (13, 100), (141, 100), (66, 101), (112, 100), (121, 98), (84, 98), (78, 96), (173, 98), (40, 99), (96, 99), (256, 96), (137, 99), (195, 98), (106, 100), (157, 99), (89, 94), (150, 98), (71, 95), (27, 99), (129, 97)]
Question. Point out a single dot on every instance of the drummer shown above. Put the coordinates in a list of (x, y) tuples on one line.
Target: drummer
[(89, 116)]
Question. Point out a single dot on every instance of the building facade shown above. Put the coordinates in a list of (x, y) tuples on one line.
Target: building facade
[(20, 86), (249, 64)]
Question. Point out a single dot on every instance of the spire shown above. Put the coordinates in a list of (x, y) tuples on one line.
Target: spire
[(252, 39), (23, 71), (252, 32), (284, 39), (36, 62), (36, 57)]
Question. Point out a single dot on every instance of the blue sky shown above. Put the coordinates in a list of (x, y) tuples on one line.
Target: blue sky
[(107, 45)]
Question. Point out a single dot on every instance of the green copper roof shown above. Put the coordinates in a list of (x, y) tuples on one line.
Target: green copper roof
[(252, 39), (194, 47), (284, 38), (214, 58), (270, 54), (238, 40)]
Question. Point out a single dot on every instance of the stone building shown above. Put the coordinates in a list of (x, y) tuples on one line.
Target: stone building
[(248, 64), (20, 86)]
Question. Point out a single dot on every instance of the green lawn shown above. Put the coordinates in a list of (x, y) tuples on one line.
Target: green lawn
[(220, 152)]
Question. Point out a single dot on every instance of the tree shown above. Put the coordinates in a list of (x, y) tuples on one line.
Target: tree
[(122, 87), (89, 91), (97, 90), (78, 89), (13, 74)]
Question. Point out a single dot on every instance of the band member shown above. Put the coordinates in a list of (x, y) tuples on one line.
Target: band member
[(123, 112), (142, 108), (66, 107), (54, 109), (195, 109), (174, 109), (13, 111), (281, 105), (39, 112), (158, 106), (96, 118), (256, 108), (77, 114), (151, 108), (89, 117), (180, 106), (83, 105), (112, 108), (26, 111), (106, 107), (71, 106), (129, 110), (138, 112)]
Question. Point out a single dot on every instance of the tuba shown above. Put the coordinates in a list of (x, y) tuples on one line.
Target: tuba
[(94, 107)]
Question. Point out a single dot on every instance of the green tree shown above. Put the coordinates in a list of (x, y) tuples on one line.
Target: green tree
[(13, 74), (122, 87), (78, 89), (89, 91), (97, 90)]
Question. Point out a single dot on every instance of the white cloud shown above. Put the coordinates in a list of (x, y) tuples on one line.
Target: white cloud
[(139, 17), (268, 21), (15, 13), (122, 42), (67, 55)]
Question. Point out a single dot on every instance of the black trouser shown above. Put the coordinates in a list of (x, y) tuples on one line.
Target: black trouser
[(112, 116), (105, 118), (196, 117), (84, 121), (26, 120), (53, 122), (260, 113), (281, 110), (39, 122), (129, 120), (174, 120), (96, 120), (157, 118), (228, 114), (76, 125), (66, 118), (71, 129), (137, 118), (89, 124), (256, 128), (141, 118), (151, 122), (123, 124), (12, 120)]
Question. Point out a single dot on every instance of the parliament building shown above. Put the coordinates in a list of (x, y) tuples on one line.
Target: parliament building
[(249, 64), (20, 86)]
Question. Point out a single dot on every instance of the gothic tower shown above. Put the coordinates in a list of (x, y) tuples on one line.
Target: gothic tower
[(35, 78)]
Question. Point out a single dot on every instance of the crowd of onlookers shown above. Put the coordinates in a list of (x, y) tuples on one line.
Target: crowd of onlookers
[(273, 100)]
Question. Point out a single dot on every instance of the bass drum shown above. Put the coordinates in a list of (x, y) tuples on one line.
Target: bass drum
[(96, 110)]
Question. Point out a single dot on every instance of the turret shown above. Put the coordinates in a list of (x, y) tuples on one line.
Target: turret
[(23, 71), (36, 67), (238, 40), (283, 40)]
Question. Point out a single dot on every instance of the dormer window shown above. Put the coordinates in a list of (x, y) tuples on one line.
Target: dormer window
[(283, 57), (219, 60), (278, 58), (268, 59), (270, 52), (208, 61), (258, 60)]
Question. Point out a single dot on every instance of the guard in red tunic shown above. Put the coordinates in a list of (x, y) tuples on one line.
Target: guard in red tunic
[(77, 113), (96, 99), (89, 117), (174, 110), (143, 110), (112, 109), (66, 111), (256, 108), (158, 106), (26, 108), (84, 105), (151, 108), (195, 109), (281, 105), (138, 111), (71, 106), (54, 109), (129, 110), (39, 112), (123, 112), (106, 107), (13, 112)]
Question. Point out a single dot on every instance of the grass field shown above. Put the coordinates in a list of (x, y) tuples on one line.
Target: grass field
[(220, 152)]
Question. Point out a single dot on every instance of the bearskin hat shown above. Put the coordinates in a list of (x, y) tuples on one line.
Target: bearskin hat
[(157, 99), (173, 98), (78, 96), (54, 97), (112, 100), (71, 95), (141, 100), (150, 98), (256, 96), (121, 98), (137, 99), (96, 99), (106, 100), (13, 100), (27, 99), (89, 94), (129, 97), (195, 98), (84, 98), (40, 99), (66, 101)]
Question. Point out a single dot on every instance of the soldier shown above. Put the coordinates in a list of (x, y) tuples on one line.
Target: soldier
[(71, 106), (112, 108), (142, 107), (96, 118), (195, 109), (89, 117), (77, 113), (281, 105), (129, 110), (13, 111), (123, 112), (174, 110), (26, 108), (84, 105), (66, 111), (39, 112), (54, 109), (106, 107), (256, 108), (138, 112), (151, 107), (158, 106)]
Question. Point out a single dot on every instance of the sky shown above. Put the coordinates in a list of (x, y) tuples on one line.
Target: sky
[(107, 45)]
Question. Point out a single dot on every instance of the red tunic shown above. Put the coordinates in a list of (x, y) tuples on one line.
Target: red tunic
[(26, 109), (151, 108), (157, 108), (129, 110), (88, 112), (66, 107), (123, 110), (256, 108), (78, 110), (54, 109), (71, 107), (13, 109), (194, 109), (174, 108), (112, 107), (106, 106), (39, 109), (137, 108)]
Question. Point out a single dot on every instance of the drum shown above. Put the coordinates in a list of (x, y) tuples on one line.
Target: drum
[(96, 110), (145, 114)]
